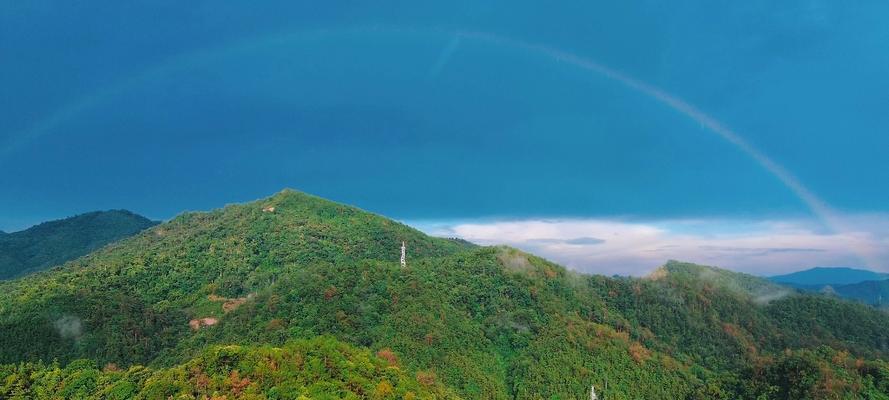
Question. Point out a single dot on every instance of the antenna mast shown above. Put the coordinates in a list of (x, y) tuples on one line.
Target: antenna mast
[(403, 258)]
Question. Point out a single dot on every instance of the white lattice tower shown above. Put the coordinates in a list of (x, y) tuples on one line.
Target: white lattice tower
[(403, 254)]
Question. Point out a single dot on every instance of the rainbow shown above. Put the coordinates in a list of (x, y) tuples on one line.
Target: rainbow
[(816, 205)]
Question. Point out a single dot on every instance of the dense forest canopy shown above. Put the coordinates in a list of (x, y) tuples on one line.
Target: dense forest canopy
[(223, 302)]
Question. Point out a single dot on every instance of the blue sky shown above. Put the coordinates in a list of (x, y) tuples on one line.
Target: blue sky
[(465, 114)]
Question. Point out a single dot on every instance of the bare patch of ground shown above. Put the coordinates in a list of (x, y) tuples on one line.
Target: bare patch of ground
[(228, 304), (196, 324)]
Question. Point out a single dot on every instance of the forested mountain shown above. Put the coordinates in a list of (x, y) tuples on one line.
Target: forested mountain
[(296, 296), (828, 276), (55, 242)]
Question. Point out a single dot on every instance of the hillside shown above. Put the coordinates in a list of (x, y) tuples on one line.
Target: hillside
[(483, 322), (301, 369), (52, 243), (758, 289), (316, 368), (828, 276)]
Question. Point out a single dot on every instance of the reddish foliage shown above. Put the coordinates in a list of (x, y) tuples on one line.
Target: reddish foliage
[(202, 381), (859, 363), (237, 383), (639, 352), (730, 329), (426, 378), (389, 356), (840, 358)]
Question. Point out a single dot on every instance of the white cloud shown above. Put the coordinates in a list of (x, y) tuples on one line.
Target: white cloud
[(636, 247)]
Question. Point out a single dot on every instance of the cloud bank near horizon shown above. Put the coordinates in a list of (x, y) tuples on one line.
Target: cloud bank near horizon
[(630, 247)]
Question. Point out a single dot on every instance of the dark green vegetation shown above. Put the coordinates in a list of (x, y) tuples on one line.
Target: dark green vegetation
[(55, 242), (482, 322)]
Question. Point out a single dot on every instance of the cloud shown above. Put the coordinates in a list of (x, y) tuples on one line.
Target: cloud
[(761, 251), (69, 327), (579, 241), (630, 247)]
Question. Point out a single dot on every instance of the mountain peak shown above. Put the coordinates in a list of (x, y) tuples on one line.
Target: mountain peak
[(295, 226), (295, 201), (289, 194)]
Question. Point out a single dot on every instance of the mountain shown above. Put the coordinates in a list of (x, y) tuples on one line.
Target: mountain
[(869, 292), (864, 286), (52, 243), (823, 276), (294, 296)]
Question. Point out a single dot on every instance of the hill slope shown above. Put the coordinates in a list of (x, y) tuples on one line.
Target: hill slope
[(55, 242), (758, 289), (486, 322)]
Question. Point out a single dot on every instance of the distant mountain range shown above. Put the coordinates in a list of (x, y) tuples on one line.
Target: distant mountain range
[(855, 284), (821, 276), (56, 242), (870, 292)]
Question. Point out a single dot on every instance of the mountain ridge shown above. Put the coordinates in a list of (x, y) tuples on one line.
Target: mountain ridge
[(865, 286), (869, 292), (821, 276), (486, 322), (54, 242)]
